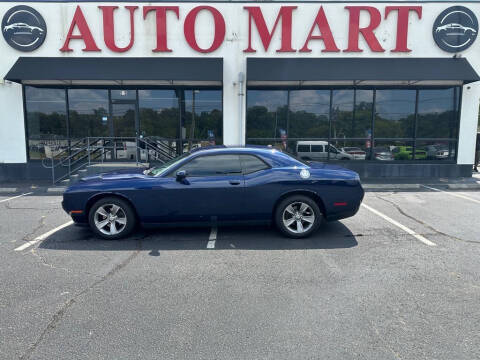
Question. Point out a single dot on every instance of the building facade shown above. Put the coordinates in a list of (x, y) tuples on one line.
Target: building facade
[(387, 89)]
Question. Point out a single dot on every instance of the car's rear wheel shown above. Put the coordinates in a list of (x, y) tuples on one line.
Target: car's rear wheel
[(112, 218), (298, 216)]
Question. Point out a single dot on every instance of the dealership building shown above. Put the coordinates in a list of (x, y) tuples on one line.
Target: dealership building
[(389, 89)]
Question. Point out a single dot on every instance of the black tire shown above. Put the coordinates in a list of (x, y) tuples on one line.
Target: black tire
[(294, 200), (124, 211)]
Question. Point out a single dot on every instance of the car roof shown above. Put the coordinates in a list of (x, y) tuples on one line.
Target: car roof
[(313, 142), (273, 156), (235, 149)]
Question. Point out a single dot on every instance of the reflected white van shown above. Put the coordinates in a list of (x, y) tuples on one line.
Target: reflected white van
[(318, 151)]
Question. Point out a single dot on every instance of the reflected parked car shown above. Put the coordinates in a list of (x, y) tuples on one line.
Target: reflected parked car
[(318, 151), (382, 154), (357, 153), (217, 186), (406, 153), (438, 151)]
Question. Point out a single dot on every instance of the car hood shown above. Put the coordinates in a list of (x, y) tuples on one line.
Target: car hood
[(126, 174)]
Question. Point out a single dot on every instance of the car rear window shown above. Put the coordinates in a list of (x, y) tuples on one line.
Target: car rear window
[(252, 164)]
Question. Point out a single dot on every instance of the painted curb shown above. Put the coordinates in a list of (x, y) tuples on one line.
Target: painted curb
[(463, 186), (59, 190), (390, 186), (8, 190)]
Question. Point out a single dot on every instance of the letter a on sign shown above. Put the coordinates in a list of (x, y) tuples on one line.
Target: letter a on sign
[(85, 33)]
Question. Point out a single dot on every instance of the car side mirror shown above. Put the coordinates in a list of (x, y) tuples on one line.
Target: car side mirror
[(181, 175)]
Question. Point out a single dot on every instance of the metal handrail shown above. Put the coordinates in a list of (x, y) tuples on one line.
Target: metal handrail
[(94, 148), (89, 150)]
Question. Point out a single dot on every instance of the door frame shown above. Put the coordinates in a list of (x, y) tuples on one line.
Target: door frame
[(111, 128)]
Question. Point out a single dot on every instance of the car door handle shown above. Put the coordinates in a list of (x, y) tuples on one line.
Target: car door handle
[(234, 182)]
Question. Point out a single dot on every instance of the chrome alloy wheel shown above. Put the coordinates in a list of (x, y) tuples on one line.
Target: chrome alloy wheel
[(298, 217), (110, 219)]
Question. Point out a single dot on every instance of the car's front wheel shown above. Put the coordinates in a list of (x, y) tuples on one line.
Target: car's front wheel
[(112, 218), (298, 216)]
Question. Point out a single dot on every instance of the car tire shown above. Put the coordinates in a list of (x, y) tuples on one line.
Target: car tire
[(112, 218), (284, 216)]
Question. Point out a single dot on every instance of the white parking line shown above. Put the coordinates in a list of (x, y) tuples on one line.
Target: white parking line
[(212, 238), (43, 236), (453, 194), (403, 227), (16, 197)]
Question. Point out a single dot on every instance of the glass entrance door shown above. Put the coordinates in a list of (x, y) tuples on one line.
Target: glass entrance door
[(123, 120), (123, 125)]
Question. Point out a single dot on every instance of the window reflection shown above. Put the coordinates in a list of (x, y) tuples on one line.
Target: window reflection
[(202, 120), (159, 113), (352, 136), (46, 121), (309, 114), (352, 113), (88, 112), (266, 113), (437, 113), (437, 150), (394, 113)]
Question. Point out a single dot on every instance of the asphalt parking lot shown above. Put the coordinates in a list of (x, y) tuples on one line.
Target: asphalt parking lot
[(400, 280)]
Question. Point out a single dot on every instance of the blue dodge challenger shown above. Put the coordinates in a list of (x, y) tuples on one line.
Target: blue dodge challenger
[(215, 186)]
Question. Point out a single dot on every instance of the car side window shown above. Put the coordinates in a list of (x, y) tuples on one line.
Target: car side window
[(303, 148), (317, 148), (213, 165), (252, 164)]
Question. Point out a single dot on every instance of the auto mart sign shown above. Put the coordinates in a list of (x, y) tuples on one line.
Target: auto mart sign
[(273, 28)]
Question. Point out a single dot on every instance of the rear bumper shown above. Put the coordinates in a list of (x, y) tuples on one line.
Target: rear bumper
[(343, 214)]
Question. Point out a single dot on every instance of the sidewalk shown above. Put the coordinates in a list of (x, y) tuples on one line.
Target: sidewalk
[(383, 184)]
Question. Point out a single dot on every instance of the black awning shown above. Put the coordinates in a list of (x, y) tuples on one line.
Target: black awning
[(360, 70), (109, 70)]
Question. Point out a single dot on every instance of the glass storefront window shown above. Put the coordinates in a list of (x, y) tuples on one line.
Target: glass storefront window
[(392, 150), (350, 149), (46, 121), (173, 120), (309, 114), (395, 113), (354, 133), (438, 113), (266, 113), (435, 150), (351, 113), (88, 112), (159, 113), (203, 121)]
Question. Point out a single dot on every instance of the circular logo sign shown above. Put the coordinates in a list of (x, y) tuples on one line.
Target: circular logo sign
[(455, 29), (24, 28)]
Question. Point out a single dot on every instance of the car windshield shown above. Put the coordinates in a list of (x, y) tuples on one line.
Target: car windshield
[(161, 169)]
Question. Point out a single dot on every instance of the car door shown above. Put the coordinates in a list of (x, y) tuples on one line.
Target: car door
[(261, 190), (318, 153), (213, 190)]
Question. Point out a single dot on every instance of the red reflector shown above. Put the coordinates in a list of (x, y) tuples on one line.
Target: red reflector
[(340, 204), (76, 212)]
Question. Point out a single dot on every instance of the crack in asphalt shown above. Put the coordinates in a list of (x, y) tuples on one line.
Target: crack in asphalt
[(57, 317), (437, 232), (41, 223)]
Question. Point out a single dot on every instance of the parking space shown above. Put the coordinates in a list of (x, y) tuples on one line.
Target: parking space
[(362, 287)]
